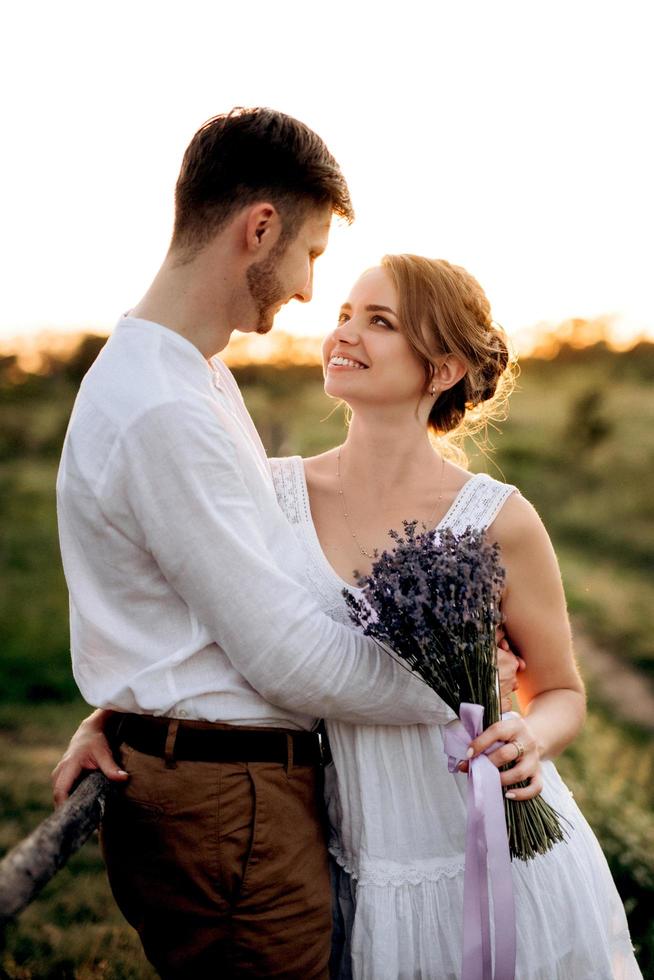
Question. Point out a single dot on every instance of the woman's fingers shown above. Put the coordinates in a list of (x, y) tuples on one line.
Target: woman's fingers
[(64, 777), (526, 769), (501, 731), (84, 754), (526, 792), (517, 745), (509, 752)]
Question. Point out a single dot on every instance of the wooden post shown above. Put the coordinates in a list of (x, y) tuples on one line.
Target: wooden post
[(31, 864)]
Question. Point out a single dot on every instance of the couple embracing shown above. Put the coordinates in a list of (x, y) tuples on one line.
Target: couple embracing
[(209, 628)]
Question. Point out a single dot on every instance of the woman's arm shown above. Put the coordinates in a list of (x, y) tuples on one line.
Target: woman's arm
[(551, 693), (88, 749)]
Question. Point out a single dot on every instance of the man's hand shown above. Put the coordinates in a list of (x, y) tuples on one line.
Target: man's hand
[(88, 749), (509, 665)]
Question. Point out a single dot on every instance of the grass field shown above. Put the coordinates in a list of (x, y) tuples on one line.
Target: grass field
[(580, 445)]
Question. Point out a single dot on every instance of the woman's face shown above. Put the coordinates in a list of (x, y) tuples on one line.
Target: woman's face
[(367, 359)]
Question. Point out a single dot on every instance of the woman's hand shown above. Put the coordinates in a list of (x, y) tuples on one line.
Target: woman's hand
[(520, 744), (88, 749)]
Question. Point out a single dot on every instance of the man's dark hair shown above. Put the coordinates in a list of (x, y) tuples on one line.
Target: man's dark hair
[(247, 155)]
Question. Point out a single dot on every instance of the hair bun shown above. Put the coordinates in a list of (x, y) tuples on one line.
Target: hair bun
[(493, 359)]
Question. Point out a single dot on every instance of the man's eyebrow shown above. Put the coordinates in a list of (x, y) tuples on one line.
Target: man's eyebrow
[(371, 308)]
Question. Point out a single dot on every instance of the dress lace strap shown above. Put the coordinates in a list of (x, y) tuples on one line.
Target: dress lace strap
[(288, 480), (478, 504)]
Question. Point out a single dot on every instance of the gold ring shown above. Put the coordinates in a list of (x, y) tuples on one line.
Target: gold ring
[(520, 747)]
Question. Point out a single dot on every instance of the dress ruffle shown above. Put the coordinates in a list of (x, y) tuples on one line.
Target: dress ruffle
[(570, 920)]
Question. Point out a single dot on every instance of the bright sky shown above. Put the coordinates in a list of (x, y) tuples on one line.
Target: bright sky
[(509, 136)]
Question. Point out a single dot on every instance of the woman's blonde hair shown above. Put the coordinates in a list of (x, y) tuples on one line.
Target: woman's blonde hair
[(444, 310)]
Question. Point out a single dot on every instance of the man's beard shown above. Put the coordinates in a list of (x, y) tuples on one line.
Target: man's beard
[(266, 290)]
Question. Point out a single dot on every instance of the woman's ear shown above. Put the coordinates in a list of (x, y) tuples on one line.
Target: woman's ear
[(448, 372)]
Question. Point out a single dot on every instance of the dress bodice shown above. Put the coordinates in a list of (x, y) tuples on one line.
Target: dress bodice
[(476, 505), (397, 823)]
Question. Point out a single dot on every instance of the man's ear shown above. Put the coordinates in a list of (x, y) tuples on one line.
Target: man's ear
[(448, 372), (262, 227)]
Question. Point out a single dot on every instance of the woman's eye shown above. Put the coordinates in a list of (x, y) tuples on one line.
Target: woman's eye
[(342, 318), (383, 321)]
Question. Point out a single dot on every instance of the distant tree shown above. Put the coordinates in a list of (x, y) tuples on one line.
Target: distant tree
[(587, 425), (83, 357)]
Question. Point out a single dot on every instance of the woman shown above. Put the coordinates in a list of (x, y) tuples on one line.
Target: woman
[(415, 351)]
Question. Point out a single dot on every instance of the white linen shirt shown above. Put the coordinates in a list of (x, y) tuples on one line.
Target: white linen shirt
[(184, 574)]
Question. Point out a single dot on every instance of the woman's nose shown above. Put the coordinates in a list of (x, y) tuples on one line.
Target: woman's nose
[(347, 332)]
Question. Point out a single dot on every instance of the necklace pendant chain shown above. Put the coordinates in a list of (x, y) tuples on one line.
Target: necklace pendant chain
[(346, 515)]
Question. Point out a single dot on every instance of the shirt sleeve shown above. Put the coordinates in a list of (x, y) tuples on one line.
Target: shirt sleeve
[(182, 482)]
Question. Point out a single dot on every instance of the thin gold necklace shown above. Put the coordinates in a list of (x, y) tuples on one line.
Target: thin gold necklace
[(346, 515)]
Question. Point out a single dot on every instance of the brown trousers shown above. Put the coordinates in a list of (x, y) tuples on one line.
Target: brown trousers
[(221, 867)]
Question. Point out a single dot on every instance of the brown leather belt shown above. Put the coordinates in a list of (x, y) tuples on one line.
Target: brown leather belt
[(148, 734)]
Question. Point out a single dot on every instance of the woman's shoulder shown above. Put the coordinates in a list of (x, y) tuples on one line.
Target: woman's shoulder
[(517, 523), (320, 470)]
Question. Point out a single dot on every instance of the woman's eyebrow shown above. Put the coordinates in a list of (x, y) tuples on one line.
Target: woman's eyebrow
[(373, 307), (370, 308)]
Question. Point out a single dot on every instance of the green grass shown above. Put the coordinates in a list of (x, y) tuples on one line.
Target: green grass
[(580, 445), (73, 928), (33, 597), (610, 770)]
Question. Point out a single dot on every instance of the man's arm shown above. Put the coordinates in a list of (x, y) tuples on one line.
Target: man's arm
[(89, 747), (184, 484)]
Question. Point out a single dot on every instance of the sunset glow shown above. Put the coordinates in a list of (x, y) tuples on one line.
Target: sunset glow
[(509, 138)]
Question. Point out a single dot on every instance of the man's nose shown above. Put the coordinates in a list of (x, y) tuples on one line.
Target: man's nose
[(305, 294)]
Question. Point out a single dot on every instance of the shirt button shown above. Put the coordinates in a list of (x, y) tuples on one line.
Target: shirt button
[(182, 713)]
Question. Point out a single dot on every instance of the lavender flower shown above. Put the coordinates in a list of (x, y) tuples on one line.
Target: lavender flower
[(435, 599)]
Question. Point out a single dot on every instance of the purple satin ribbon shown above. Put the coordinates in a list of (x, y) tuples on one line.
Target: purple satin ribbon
[(487, 856)]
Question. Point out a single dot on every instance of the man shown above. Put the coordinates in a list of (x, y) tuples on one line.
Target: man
[(187, 612)]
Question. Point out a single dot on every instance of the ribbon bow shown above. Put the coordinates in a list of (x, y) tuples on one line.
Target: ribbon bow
[(487, 855)]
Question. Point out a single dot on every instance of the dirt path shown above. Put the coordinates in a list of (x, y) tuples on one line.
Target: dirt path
[(615, 683)]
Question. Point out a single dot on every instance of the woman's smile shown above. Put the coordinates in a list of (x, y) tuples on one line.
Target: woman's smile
[(345, 362)]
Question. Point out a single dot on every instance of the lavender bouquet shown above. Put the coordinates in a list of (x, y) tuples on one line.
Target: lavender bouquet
[(435, 599)]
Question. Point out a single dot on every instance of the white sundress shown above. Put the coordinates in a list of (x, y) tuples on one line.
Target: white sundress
[(397, 819)]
